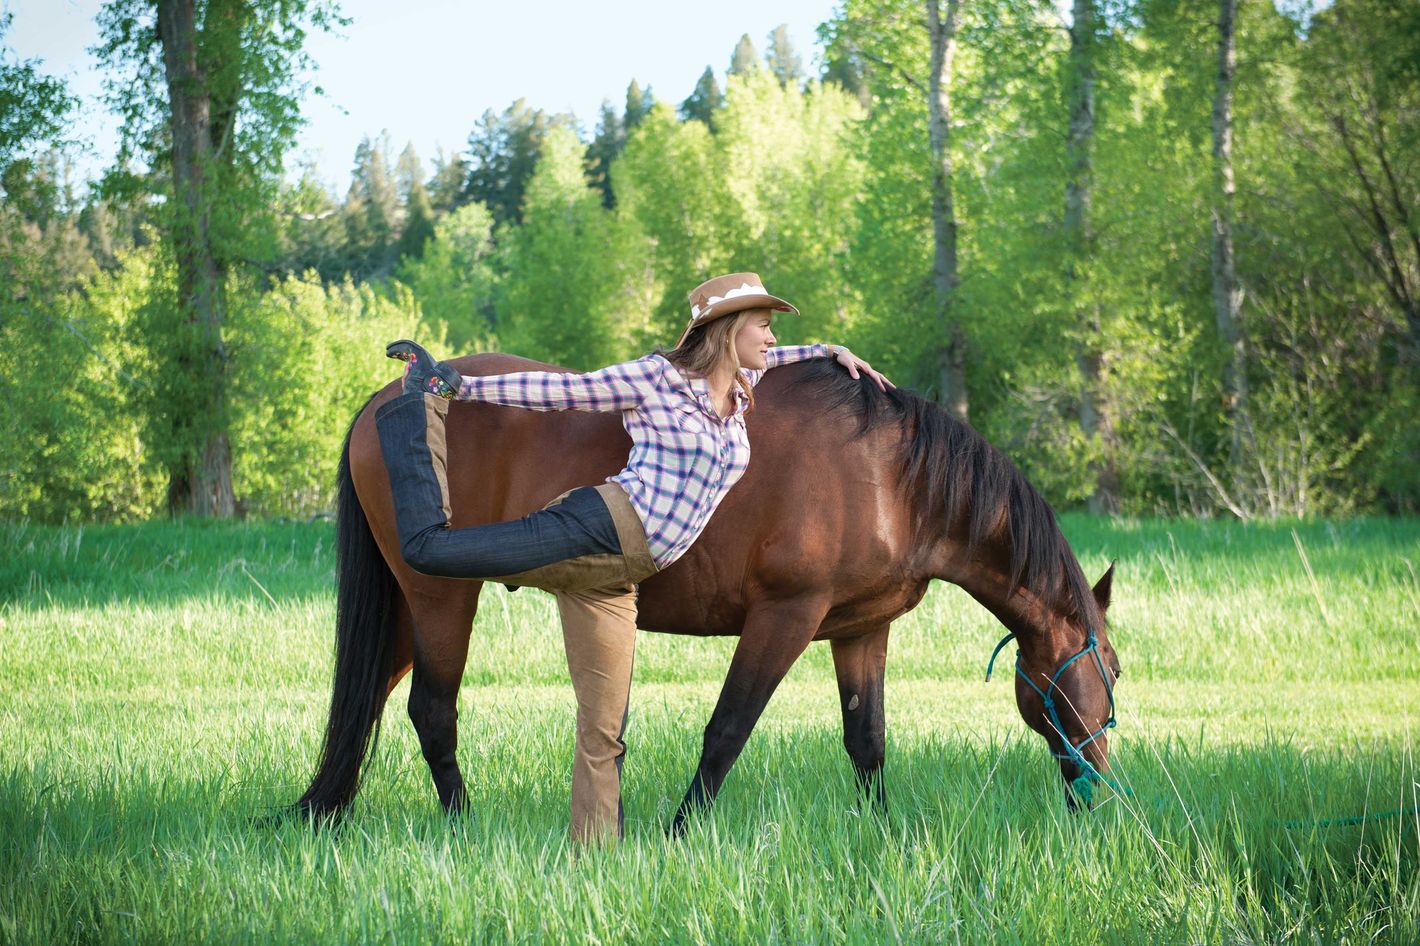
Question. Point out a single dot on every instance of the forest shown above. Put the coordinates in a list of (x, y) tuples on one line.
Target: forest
[(1165, 254)]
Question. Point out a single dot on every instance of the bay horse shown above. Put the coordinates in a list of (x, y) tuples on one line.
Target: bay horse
[(853, 501)]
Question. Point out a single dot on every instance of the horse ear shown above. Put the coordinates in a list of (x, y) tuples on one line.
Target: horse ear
[(1102, 588)]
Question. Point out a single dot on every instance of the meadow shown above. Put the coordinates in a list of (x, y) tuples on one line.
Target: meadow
[(163, 686)]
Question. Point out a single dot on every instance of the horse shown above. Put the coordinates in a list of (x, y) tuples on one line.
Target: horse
[(854, 500)]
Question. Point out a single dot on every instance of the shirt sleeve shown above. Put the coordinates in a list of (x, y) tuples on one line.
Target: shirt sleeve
[(787, 355), (620, 387)]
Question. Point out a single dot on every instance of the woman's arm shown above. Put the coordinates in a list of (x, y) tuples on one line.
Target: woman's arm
[(788, 354), (618, 387)]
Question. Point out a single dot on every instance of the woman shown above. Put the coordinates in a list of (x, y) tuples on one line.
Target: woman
[(685, 411)]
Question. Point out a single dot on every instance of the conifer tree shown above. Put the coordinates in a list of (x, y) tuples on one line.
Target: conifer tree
[(446, 187), (610, 139), (418, 212), (781, 58), (503, 152), (638, 104), (704, 101), (745, 58)]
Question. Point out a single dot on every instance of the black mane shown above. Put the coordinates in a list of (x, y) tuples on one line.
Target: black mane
[(952, 467)]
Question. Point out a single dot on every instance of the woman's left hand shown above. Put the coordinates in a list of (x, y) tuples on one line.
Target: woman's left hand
[(854, 364)]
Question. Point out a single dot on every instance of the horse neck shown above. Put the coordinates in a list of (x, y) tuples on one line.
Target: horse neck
[(1038, 616)]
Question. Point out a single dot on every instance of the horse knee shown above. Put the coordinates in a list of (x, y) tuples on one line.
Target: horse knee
[(867, 750)]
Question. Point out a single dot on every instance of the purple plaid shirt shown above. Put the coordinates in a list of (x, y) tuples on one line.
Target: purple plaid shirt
[(684, 456)]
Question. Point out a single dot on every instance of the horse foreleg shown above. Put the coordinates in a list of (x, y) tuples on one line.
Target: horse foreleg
[(443, 619), (860, 663), (773, 638)]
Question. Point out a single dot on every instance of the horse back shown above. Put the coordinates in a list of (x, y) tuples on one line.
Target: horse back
[(819, 511)]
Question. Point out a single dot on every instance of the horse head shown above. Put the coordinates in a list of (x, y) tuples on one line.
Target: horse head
[(1066, 671)]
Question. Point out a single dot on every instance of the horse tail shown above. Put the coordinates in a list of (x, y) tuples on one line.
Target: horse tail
[(364, 619)]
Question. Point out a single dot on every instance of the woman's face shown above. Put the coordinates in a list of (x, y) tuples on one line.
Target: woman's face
[(753, 339)]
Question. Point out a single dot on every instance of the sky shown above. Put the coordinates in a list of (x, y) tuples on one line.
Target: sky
[(425, 70)]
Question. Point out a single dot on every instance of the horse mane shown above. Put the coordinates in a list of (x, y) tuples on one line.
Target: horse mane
[(953, 468)]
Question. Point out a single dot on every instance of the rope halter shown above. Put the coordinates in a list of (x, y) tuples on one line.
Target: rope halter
[(1083, 785)]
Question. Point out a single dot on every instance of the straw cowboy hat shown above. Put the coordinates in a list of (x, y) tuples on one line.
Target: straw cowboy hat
[(726, 295)]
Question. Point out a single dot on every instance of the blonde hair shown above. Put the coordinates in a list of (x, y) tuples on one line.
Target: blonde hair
[(707, 347)]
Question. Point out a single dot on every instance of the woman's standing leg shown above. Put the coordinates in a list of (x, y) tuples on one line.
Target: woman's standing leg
[(599, 632)]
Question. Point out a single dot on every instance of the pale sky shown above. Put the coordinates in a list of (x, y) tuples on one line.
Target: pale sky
[(426, 69)]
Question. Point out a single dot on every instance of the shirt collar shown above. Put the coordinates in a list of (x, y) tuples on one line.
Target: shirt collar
[(698, 390)]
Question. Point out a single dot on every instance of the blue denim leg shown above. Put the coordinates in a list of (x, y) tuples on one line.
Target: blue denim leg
[(579, 525)]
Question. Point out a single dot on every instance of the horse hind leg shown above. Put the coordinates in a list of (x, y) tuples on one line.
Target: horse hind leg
[(860, 663), (442, 617)]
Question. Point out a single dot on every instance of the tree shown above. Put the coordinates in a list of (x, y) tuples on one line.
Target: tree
[(783, 62), (446, 187), (372, 211), (33, 106), (1227, 293), (1096, 412), (209, 93), (562, 301), (503, 152), (456, 279), (638, 105), (745, 58), (704, 101), (606, 145), (418, 212)]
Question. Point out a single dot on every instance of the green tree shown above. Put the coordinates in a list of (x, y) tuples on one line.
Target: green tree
[(209, 92), (745, 57), (372, 211), (33, 106), (607, 144), (503, 152), (638, 105), (456, 279), (781, 58), (705, 101), (418, 212), (565, 299)]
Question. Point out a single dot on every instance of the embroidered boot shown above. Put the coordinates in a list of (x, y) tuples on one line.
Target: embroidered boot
[(423, 373)]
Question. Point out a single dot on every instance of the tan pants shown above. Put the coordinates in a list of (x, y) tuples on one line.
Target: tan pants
[(596, 597)]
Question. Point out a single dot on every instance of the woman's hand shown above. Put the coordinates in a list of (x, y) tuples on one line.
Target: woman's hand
[(854, 364)]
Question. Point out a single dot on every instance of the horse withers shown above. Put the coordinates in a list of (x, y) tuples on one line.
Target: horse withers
[(854, 500)]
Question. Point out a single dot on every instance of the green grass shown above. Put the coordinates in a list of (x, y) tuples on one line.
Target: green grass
[(164, 684)]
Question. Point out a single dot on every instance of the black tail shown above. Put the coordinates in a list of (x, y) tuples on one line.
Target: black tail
[(363, 653)]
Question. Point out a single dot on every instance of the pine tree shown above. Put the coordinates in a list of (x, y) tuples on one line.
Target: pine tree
[(418, 212), (608, 143), (446, 187), (638, 104), (781, 58), (745, 58), (373, 215), (704, 101), (503, 152)]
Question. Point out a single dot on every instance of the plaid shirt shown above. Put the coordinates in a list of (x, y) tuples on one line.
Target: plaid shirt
[(684, 456)]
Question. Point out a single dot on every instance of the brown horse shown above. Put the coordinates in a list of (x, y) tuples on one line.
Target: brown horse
[(853, 501)]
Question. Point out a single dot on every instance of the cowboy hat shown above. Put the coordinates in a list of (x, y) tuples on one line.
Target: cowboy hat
[(726, 295)]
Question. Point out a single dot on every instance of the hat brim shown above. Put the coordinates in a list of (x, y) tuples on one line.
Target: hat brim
[(718, 310)]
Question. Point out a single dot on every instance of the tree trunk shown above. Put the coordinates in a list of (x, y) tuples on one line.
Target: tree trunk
[(1227, 294), (951, 357), (201, 482), (1096, 411)]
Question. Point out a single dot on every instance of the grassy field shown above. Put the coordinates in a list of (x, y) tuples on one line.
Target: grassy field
[(163, 684)]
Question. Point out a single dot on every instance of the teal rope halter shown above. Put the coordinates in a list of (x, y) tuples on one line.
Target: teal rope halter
[(1083, 785)]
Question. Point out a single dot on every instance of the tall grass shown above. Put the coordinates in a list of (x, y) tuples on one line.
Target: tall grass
[(165, 685)]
